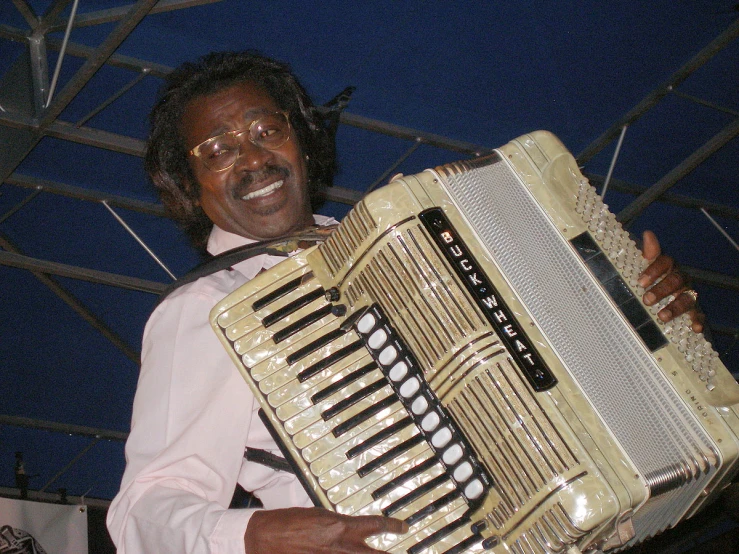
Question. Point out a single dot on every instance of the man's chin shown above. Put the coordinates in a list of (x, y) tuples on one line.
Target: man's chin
[(271, 231)]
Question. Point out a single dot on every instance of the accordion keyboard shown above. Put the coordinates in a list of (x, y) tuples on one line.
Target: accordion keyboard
[(351, 398)]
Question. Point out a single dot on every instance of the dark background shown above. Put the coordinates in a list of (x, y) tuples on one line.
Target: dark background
[(464, 76)]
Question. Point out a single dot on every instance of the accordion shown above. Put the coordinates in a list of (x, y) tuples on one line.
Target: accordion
[(469, 352)]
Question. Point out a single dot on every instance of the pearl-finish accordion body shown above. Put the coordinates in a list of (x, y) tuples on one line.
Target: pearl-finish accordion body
[(469, 352)]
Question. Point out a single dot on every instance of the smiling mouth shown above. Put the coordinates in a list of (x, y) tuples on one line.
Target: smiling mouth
[(264, 191)]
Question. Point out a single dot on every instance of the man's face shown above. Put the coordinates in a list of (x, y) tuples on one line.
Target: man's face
[(235, 199)]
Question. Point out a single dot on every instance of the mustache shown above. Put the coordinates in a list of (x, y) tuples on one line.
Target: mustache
[(249, 178)]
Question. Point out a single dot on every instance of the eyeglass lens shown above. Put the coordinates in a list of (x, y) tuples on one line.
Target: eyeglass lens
[(270, 132)]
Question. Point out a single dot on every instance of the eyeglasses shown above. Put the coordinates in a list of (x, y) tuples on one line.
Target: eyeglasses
[(219, 153)]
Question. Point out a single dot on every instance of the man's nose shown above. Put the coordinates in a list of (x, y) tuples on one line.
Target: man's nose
[(251, 156)]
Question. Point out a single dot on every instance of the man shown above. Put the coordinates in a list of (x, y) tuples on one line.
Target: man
[(236, 150)]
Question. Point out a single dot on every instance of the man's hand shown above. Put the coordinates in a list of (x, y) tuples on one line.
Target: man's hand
[(314, 531), (673, 283)]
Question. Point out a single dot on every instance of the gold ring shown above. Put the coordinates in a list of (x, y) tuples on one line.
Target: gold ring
[(693, 294)]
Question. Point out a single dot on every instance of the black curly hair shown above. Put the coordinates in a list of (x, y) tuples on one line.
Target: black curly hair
[(166, 153)]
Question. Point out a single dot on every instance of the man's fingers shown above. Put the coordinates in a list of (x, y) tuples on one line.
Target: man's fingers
[(684, 303), (672, 283), (699, 320), (397, 526), (659, 267), (374, 525), (364, 527), (650, 246)]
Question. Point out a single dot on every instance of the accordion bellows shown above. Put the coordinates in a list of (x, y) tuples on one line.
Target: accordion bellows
[(469, 352)]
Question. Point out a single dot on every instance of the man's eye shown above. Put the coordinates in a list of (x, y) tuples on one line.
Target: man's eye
[(268, 132), (220, 150)]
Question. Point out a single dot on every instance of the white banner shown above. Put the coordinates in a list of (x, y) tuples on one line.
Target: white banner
[(37, 528)]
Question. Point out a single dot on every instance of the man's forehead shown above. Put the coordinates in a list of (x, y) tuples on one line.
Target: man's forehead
[(215, 112), (247, 93)]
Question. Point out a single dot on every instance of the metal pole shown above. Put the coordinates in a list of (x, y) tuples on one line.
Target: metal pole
[(58, 67), (720, 229), (695, 63), (704, 102), (22, 203), (633, 210), (135, 14), (12, 252), (113, 98), (66, 428), (70, 464), (40, 267), (613, 162), (138, 239), (381, 179)]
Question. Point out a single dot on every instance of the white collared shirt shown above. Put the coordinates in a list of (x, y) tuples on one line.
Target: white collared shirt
[(193, 416)]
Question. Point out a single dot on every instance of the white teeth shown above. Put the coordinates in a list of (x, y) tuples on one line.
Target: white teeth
[(265, 191)]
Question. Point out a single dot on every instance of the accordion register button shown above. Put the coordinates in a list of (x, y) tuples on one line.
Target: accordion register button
[(452, 454), (420, 405), (388, 355), (366, 323), (463, 472), (377, 339), (442, 437), (430, 422), (410, 387), (398, 371), (474, 489)]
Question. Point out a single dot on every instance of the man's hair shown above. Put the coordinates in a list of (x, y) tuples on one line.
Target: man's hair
[(166, 153)]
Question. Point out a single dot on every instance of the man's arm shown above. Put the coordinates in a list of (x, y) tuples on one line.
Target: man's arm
[(191, 419), (315, 531)]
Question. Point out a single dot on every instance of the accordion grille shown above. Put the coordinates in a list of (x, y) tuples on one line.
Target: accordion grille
[(517, 442), (347, 239), (403, 278)]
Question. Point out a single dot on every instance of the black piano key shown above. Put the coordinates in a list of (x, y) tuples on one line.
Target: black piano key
[(390, 454), (364, 415), (652, 336), (602, 267), (280, 292), (618, 290), (415, 494), (377, 438), (323, 394), (293, 306), (301, 324), (438, 535), (634, 312), (313, 346), (352, 399), (585, 245), (464, 545), (434, 506), (403, 477), (329, 360)]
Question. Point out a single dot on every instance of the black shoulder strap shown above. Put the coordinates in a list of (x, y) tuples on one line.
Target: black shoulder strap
[(229, 258)]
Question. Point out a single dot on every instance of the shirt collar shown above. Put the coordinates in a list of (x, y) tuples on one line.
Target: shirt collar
[(220, 241)]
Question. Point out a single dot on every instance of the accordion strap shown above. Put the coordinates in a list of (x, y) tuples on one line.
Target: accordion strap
[(225, 260), (265, 458)]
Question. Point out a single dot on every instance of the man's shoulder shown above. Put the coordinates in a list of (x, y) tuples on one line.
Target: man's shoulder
[(203, 293)]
